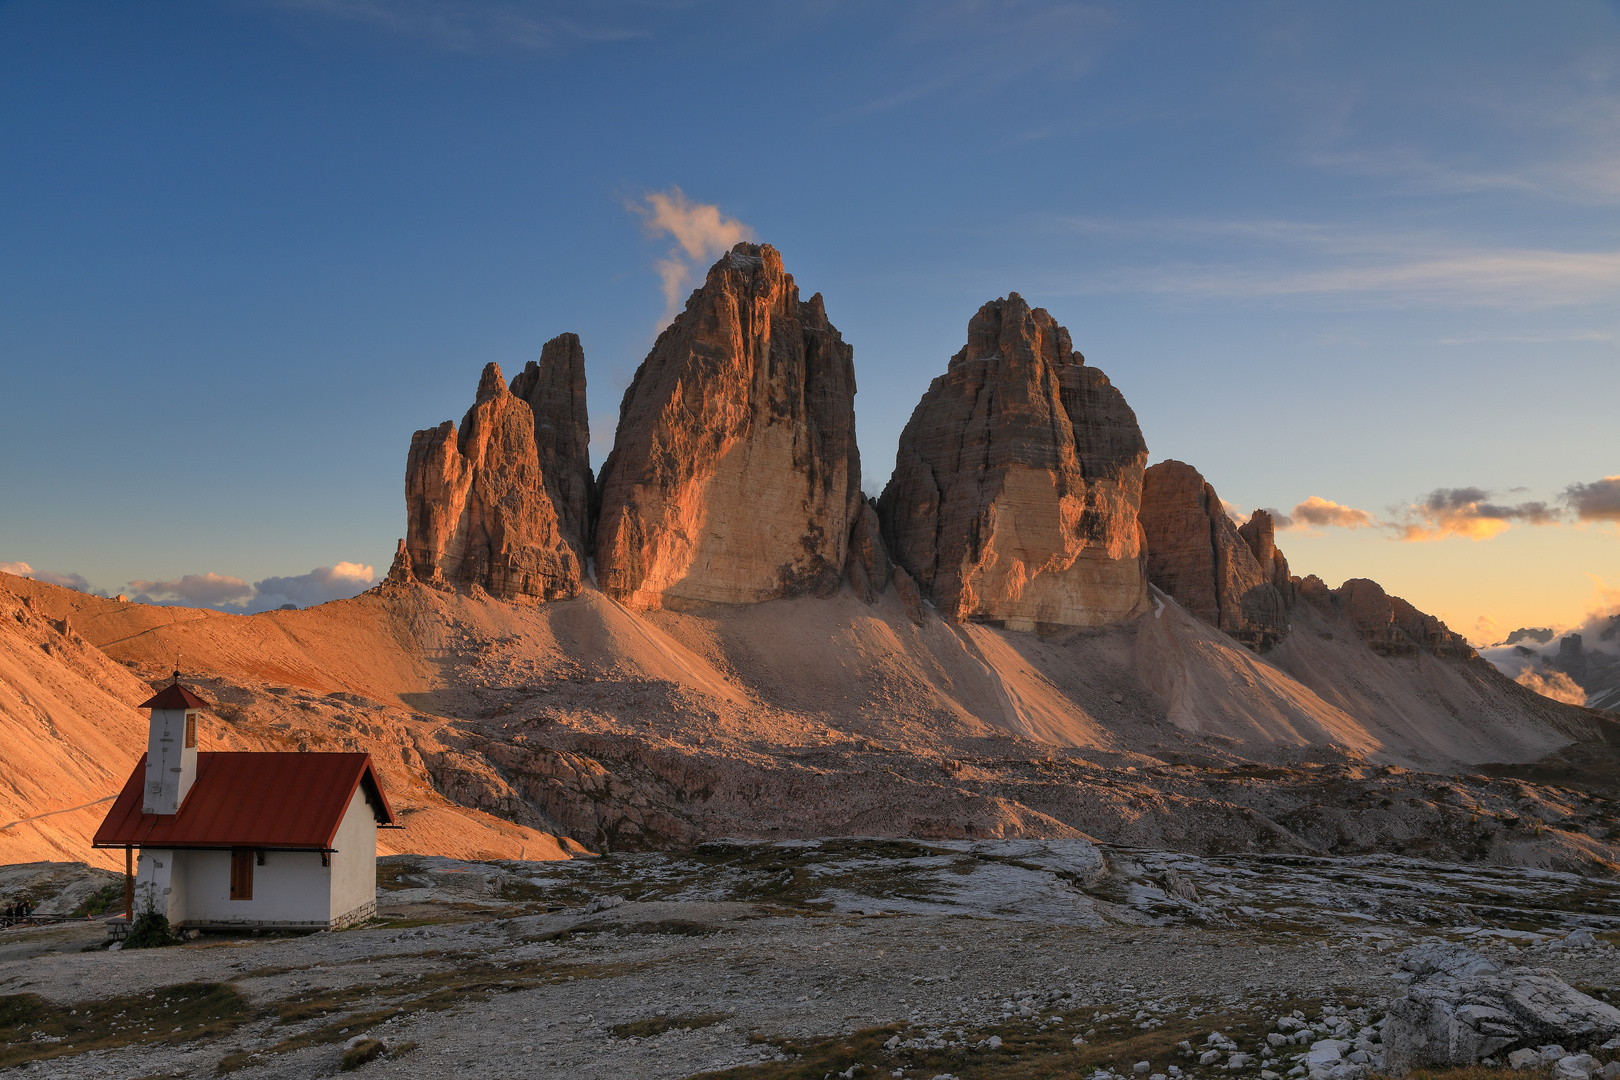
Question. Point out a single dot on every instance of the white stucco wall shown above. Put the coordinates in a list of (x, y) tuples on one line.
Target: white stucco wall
[(160, 883), (354, 863), (292, 888)]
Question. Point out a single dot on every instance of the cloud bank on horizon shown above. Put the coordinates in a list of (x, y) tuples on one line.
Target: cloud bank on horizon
[(222, 592), (1465, 512)]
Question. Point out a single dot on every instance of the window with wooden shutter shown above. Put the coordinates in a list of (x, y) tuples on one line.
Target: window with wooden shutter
[(242, 875), (191, 730)]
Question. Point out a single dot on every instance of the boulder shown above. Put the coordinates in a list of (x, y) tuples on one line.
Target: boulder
[(734, 476), (481, 510), (1196, 553), (1017, 481), (1460, 1007)]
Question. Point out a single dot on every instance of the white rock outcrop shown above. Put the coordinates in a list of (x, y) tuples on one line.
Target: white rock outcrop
[(1460, 1007)]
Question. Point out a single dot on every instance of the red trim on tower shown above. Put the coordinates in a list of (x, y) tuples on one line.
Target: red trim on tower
[(173, 696)]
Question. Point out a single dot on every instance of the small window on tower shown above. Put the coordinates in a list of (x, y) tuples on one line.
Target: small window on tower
[(191, 730)]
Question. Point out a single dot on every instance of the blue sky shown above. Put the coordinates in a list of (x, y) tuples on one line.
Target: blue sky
[(1355, 252)]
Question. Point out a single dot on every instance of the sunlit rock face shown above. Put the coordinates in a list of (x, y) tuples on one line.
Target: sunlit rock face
[(734, 476), (555, 390), (1016, 485), (1198, 555), (504, 503), (1388, 624)]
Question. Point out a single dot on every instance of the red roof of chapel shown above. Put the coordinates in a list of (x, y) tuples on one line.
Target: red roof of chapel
[(249, 800)]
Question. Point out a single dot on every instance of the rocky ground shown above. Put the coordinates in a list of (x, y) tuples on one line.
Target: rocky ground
[(813, 958)]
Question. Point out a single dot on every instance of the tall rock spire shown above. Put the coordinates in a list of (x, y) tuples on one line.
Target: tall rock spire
[(734, 476), (505, 503), (1017, 481)]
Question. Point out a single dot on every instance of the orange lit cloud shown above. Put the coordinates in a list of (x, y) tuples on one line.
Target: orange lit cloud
[(1319, 512), (1468, 513), (700, 232)]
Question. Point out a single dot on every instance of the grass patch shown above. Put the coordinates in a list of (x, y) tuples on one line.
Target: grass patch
[(269, 972), (1480, 1072), (657, 1025), (677, 928), (406, 924), (569, 933), (361, 1053), (1035, 1048), (667, 927), (33, 1029)]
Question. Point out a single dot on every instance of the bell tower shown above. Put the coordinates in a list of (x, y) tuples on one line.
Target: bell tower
[(171, 748)]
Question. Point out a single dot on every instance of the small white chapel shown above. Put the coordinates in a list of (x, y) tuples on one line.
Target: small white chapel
[(233, 840)]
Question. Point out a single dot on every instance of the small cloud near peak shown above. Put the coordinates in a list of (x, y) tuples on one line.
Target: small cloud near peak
[(701, 233), (321, 584), (1279, 519)]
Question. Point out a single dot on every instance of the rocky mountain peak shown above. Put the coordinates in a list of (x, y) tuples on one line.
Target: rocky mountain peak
[(503, 504), (1017, 480), (734, 476), (1388, 624)]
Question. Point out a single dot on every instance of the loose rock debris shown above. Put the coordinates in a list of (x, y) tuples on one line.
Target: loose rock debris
[(855, 957)]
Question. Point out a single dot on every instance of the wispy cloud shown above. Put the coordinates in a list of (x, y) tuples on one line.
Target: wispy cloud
[(1513, 278), (1603, 336), (967, 48), (1266, 259), (700, 232), (473, 26), (1559, 139)]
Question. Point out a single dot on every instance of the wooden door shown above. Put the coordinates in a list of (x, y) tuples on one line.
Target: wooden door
[(242, 874)]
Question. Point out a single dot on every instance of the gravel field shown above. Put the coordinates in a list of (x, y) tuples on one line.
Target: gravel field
[(735, 954)]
